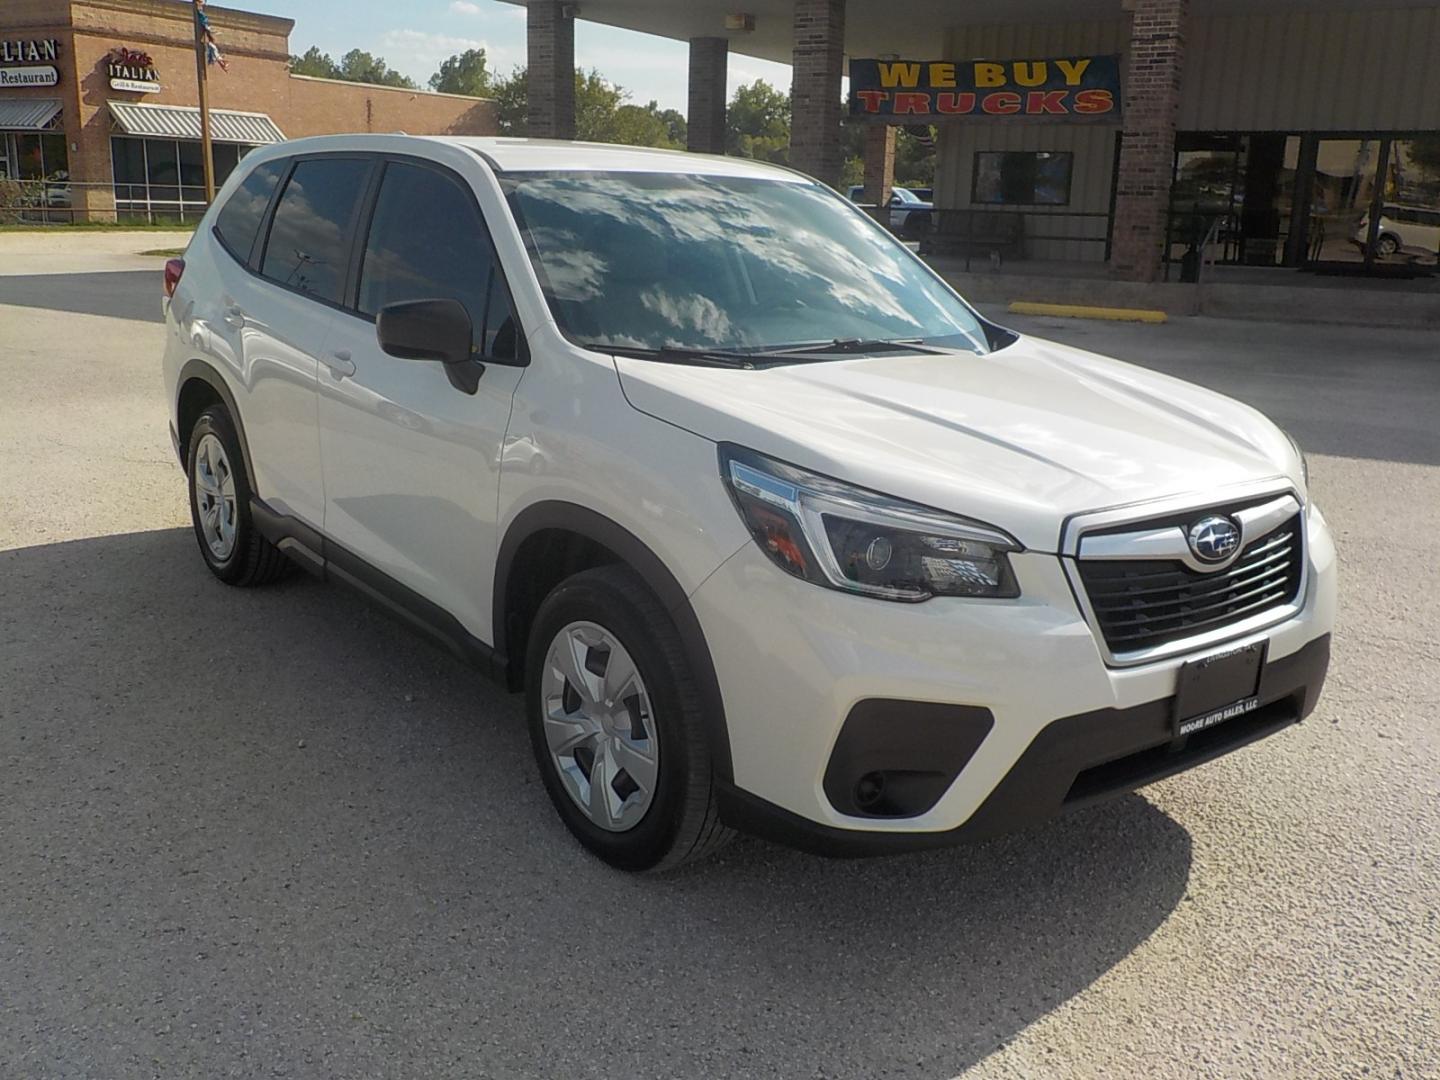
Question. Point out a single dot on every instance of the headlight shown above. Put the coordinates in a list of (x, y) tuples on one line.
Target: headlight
[(847, 538), (1304, 465)]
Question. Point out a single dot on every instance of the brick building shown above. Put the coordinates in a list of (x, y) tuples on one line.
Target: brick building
[(1283, 133), (99, 110)]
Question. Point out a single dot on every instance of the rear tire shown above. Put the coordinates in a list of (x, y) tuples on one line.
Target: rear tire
[(917, 225), (220, 495), (622, 693)]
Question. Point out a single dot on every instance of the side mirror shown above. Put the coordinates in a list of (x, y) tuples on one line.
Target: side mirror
[(432, 330)]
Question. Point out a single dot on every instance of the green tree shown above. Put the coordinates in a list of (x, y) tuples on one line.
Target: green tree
[(914, 160), (597, 101), (676, 126), (602, 112), (757, 123), (359, 66), (354, 66), (643, 125), (315, 63), (508, 93), (464, 73)]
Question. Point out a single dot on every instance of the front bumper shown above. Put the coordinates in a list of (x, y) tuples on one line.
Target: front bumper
[(793, 660), (1073, 762)]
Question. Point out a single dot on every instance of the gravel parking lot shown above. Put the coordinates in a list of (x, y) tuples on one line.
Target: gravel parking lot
[(272, 833)]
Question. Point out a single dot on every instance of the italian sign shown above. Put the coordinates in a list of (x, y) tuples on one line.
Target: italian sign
[(1070, 88), (132, 70), (28, 50)]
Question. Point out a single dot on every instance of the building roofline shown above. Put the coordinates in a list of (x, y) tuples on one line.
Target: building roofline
[(222, 17), (382, 86)]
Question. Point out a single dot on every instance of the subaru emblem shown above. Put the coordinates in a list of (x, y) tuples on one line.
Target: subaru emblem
[(1214, 539)]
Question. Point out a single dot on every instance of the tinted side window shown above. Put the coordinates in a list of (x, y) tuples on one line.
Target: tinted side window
[(239, 219), (428, 242), (310, 236)]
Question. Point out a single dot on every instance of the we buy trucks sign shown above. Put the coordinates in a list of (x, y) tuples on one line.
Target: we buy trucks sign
[(1073, 88)]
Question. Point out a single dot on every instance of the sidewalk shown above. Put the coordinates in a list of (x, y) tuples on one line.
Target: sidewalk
[(71, 251), (1228, 293)]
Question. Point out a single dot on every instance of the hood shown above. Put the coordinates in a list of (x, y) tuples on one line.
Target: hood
[(1020, 438)]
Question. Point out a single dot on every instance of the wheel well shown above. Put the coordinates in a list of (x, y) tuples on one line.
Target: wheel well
[(542, 561), (196, 396)]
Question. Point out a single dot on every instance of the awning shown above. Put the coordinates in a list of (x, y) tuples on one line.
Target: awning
[(183, 122), (28, 114)]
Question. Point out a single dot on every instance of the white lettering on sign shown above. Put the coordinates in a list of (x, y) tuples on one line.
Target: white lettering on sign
[(135, 86), (29, 76), (21, 51), (1219, 716)]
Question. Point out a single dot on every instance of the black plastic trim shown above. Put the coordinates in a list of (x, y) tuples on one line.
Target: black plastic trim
[(206, 373), (633, 551), (1075, 761), (908, 752), (328, 559)]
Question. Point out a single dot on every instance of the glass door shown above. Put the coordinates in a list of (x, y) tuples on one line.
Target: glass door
[(1342, 189), (1373, 207), (1409, 228)]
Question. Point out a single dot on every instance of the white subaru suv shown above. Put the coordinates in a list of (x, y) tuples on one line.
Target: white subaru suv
[(773, 530)]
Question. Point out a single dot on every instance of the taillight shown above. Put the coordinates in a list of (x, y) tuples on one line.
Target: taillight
[(173, 269)]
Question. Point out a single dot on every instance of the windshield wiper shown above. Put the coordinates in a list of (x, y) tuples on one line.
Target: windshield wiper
[(674, 354), (850, 346)]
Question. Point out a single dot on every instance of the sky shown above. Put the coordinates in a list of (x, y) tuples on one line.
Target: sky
[(414, 36)]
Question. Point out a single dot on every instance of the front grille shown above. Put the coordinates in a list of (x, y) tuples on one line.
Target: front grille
[(1147, 602)]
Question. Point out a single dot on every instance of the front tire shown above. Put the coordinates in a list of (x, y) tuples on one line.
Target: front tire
[(1386, 246), (220, 494), (616, 724)]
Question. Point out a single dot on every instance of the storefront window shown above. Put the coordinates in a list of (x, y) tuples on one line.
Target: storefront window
[(1022, 178), (165, 178), (41, 162), (1272, 199)]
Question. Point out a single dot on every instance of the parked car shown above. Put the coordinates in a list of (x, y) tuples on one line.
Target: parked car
[(910, 215), (773, 530), (1414, 228)]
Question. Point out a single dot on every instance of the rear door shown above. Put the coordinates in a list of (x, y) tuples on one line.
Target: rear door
[(276, 309), (412, 463)]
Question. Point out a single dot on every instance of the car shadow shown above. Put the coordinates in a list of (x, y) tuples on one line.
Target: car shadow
[(118, 294), (225, 805)]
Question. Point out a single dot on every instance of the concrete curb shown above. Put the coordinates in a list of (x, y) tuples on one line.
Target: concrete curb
[(1085, 311)]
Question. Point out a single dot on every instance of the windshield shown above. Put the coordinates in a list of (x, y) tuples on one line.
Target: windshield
[(664, 261)]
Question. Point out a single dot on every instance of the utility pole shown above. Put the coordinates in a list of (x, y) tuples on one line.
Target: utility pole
[(202, 79)]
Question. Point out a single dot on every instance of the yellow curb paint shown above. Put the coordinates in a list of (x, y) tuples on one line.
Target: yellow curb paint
[(1081, 311)]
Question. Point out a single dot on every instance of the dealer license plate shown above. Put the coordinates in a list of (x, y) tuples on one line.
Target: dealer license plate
[(1218, 688)]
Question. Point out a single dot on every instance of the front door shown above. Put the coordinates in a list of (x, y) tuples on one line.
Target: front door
[(411, 462)]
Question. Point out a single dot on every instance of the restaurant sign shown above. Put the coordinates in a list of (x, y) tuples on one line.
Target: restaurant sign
[(1057, 89), (132, 71), (30, 54), (48, 75)]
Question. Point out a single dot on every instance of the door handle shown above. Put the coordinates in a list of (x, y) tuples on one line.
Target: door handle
[(339, 363), (234, 315)]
